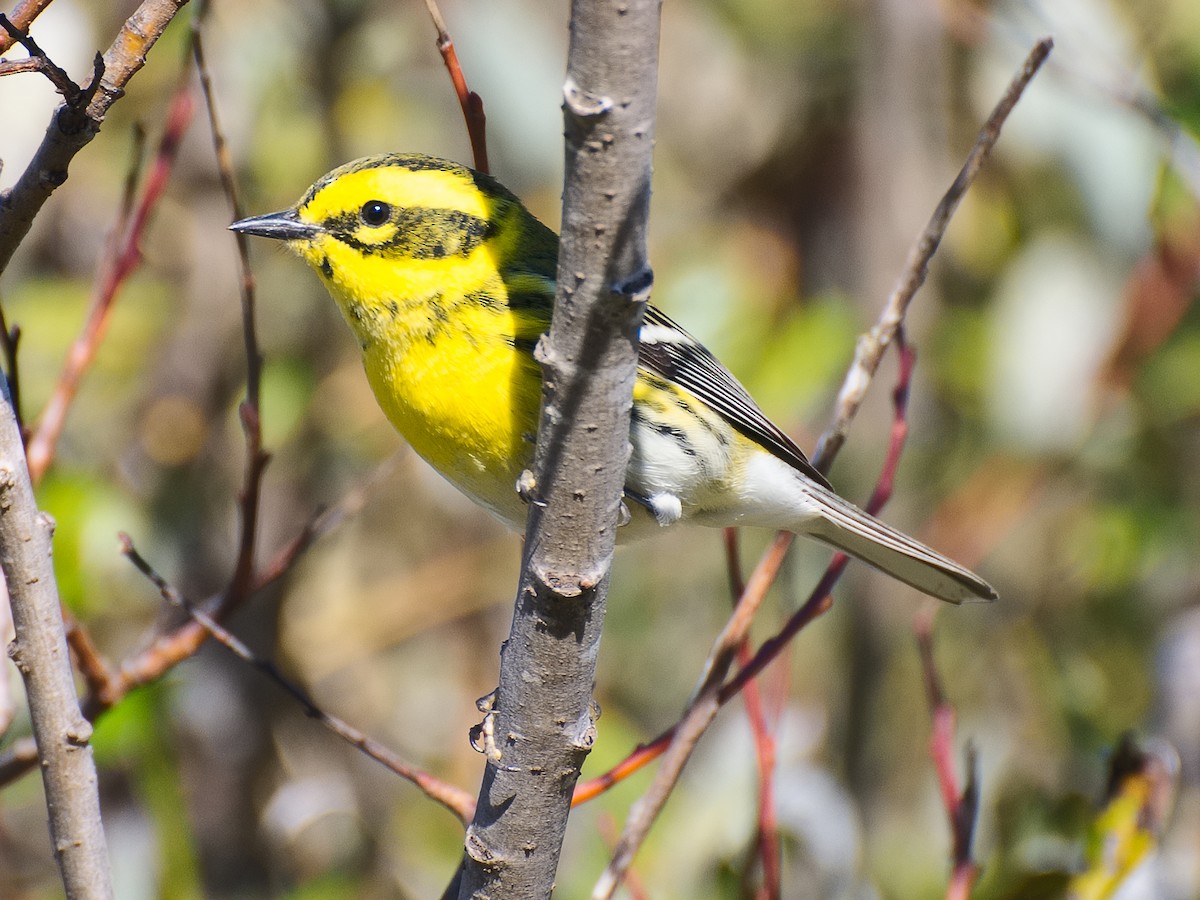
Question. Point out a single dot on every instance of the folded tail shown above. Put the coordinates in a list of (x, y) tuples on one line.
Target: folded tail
[(848, 528)]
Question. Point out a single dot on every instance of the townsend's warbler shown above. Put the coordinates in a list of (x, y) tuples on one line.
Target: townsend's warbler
[(447, 281)]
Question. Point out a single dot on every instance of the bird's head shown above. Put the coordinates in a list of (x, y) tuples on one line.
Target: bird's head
[(404, 220)]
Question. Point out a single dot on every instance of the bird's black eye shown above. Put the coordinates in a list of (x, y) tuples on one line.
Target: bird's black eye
[(375, 213)]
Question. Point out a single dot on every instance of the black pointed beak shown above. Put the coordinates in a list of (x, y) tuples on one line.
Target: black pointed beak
[(282, 226)]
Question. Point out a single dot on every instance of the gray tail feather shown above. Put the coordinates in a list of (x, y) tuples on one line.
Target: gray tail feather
[(864, 537)]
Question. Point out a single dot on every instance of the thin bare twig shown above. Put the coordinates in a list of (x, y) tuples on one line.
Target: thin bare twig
[(869, 353), (250, 412), (22, 17), (458, 801), (962, 809), (75, 123), (871, 346), (114, 274), (471, 102), (608, 833), (92, 665), (38, 62), (19, 66), (764, 742)]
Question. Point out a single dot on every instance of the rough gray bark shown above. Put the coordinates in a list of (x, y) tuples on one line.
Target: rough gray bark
[(542, 725), (41, 656)]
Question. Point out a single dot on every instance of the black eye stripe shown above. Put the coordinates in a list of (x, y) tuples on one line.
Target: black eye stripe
[(375, 213), (416, 232)]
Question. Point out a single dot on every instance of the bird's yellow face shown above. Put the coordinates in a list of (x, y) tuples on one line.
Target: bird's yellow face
[(447, 282), (396, 232), (396, 212)]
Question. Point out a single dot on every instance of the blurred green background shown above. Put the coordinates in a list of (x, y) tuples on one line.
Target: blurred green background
[(800, 148)]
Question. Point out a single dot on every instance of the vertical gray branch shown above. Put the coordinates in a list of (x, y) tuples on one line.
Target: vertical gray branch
[(543, 722), (40, 654)]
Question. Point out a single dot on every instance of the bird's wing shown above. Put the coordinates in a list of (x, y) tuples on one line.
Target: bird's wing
[(667, 350)]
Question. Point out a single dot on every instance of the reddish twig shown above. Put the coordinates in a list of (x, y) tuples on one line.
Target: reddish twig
[(471, 102), (962, 809), (42, 444), (696, 719), (764, 742), (642, 755), (886, 332), (458, 801), (97, 673), (818, 603)]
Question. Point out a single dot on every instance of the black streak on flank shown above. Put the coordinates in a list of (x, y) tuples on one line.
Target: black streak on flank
[(326, 268), (525, 345), (485, 299)]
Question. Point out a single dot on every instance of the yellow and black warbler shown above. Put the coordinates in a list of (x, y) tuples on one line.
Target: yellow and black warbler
[(447, 281)]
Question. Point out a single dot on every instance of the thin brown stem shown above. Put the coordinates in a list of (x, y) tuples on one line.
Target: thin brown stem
[(39, 62), (962, 809), (20, 66), (764, 743), (471, 102), (22, 17), (77, 121), (97, 673), (113, 276), (251, 417), (871, 346), (458, 801), (167, 650)]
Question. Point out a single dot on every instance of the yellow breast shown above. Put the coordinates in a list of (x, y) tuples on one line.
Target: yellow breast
[(467, 401)]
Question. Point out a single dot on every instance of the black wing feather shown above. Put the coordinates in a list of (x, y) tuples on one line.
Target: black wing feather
[(689, 364)]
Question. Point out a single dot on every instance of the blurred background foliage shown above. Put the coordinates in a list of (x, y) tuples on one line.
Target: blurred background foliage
[(801, 146)]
